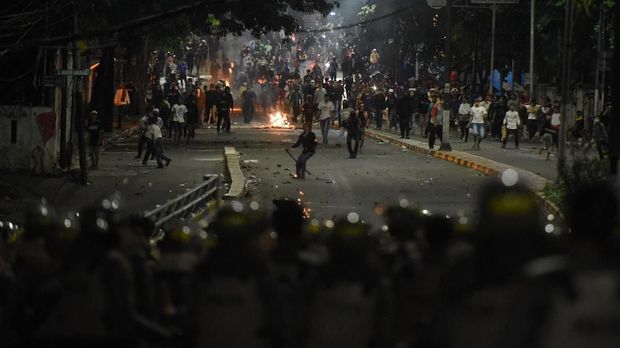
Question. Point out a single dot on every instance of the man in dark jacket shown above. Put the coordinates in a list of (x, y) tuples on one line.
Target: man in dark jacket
[(224, 106), (309, 110), (404, 109), (354, 132), (380, 105), (307, 140), (347, 66)]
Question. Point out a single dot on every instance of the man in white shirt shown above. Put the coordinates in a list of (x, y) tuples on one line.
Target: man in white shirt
[(476, 122), (512, 123), (326, 108), (155, 139), (464, 111), (178, 120)]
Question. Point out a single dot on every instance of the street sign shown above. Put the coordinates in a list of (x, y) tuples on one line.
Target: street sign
[(81, 72), (53, 81)]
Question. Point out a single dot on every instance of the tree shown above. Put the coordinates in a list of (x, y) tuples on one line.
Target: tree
[(137, 25)]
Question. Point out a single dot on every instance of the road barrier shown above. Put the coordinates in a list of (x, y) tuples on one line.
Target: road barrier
[(188, 202)]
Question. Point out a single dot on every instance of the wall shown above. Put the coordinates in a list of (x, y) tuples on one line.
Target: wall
[(31, 146)]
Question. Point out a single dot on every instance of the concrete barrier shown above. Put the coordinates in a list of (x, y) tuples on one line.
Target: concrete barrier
[(234, 173)]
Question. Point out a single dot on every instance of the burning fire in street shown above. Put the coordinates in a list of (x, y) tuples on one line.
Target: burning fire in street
[(278, 120)]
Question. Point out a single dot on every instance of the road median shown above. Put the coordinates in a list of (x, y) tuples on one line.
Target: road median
[(235, 175)]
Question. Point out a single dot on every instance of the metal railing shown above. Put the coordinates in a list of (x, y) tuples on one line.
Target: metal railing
[(187, 203)]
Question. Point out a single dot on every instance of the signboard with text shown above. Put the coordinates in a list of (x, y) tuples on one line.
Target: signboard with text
[(80, 72)]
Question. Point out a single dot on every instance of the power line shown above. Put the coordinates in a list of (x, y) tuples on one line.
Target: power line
[(143, 21), (348, 26)]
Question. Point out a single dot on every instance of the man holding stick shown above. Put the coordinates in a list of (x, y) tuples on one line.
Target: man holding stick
[(307, 140)]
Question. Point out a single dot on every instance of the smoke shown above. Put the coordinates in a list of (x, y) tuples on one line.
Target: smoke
[(349, 8)]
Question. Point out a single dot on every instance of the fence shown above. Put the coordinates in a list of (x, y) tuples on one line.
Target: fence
[(187, 203)]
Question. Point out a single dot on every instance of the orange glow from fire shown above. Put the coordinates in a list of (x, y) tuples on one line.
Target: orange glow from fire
[(279, 120)]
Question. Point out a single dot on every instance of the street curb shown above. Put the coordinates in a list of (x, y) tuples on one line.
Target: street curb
[(233, 170), (486, 169)]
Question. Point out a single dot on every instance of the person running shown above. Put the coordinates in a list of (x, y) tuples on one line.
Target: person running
[(512, 122), (95, 138), (224, 107), (179, 110), (307, 140), (155, 144), (476, 121)]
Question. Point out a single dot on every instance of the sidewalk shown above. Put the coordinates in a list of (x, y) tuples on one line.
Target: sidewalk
[(534, 171), (141, 187)]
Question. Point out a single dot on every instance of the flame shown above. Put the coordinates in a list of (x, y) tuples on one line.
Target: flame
[(278, 120)]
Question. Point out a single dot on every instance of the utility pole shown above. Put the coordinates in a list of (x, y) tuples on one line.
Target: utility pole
[(566, 68), (449, 41), (532, 9), (597, 73), (66, 119), (614, 126), (493, 11), (79, 102)]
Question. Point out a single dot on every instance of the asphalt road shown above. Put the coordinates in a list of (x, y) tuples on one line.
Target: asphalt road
[(141, 188), (381, 175)]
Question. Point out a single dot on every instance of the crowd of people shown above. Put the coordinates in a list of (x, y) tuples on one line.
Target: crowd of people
[(98, 278), (314, 79)]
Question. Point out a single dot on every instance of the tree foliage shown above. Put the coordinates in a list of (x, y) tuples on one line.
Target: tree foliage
[(423, 33), (136, 25)]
